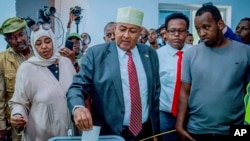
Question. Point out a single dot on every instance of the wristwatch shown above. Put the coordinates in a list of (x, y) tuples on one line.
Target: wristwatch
[(76, 64)]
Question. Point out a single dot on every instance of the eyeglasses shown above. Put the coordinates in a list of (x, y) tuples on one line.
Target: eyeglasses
[(174, 31), (144, 36), (36, 27)]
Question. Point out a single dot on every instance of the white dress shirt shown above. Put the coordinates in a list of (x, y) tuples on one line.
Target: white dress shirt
[(123, 59), (168, 69)]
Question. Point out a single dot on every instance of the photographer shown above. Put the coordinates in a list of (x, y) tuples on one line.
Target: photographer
[(72, 18), (74, 15), (73, 51)]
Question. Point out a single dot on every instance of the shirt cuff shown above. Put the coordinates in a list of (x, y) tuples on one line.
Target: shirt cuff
[(77, 106)]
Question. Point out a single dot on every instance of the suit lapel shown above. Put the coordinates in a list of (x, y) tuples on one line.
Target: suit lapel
[(114, 67), (145, 58)]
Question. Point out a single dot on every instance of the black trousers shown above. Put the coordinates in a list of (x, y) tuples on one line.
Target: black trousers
[(145, 133)]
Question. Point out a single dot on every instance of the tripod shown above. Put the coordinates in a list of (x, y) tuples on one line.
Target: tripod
[(77, 21)]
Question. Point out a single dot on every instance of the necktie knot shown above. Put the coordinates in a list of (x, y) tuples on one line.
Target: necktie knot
[(129, 53), (179, 53)]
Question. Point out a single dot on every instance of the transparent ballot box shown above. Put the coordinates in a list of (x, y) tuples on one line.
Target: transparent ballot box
[(78, 138)]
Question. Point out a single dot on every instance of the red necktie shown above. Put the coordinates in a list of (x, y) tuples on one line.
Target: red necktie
[(136, 111), (177, 84)]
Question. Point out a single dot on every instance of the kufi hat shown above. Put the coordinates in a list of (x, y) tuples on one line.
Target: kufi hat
[(129, 15)]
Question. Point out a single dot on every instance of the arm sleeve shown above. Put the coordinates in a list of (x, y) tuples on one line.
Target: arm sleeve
[(228, 33), (21, 99), (157, 96), (82, 82), (186, 72), (2, 101), (67, 32)]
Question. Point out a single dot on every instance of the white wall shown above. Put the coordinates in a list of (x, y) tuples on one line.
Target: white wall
[(97, 13), (7, 10)]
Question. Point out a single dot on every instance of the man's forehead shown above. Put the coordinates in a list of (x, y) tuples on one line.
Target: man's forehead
[(245, 22), (162, 30), (84, 35), (110, 28), (205, 15), (205, 18), (128, 25), (15, 33)]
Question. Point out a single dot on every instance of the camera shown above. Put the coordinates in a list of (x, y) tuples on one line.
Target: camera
[(45, 13), (77, 10)]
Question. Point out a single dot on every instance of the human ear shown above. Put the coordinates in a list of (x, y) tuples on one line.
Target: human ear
[(221, 25)]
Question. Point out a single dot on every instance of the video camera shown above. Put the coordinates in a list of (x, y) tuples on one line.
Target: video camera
[(45, 13), (77, 10)]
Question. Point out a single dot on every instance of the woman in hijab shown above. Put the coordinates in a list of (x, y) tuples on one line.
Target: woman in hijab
[(38, 107)]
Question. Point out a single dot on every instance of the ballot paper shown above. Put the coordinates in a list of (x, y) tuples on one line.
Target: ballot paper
[(91, 135)]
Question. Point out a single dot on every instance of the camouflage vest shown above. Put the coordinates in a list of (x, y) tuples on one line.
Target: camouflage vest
[(9, 64)]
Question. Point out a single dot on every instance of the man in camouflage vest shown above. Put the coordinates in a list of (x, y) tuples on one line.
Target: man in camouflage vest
[(18, 50)]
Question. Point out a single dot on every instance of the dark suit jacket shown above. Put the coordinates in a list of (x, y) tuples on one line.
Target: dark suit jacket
[(99, 76)]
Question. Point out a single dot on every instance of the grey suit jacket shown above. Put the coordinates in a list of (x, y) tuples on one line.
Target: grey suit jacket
[(99, 77)]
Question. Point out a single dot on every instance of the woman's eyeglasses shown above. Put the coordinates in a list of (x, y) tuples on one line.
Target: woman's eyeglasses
[(36, 27)]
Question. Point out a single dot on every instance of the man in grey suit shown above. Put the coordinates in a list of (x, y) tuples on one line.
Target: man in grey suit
[(104, 75)]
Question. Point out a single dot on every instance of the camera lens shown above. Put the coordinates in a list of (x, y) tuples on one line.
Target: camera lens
[(77, 11), (45, 14), (49, 11)]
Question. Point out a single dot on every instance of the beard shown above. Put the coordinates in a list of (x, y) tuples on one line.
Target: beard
[(152, 42), (215, 41)]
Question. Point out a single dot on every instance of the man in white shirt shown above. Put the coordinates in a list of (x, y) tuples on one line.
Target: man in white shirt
[(176, 26)]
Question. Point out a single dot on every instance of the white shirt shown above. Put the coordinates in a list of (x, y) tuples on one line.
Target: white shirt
[(168, 69), (123, 59)]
